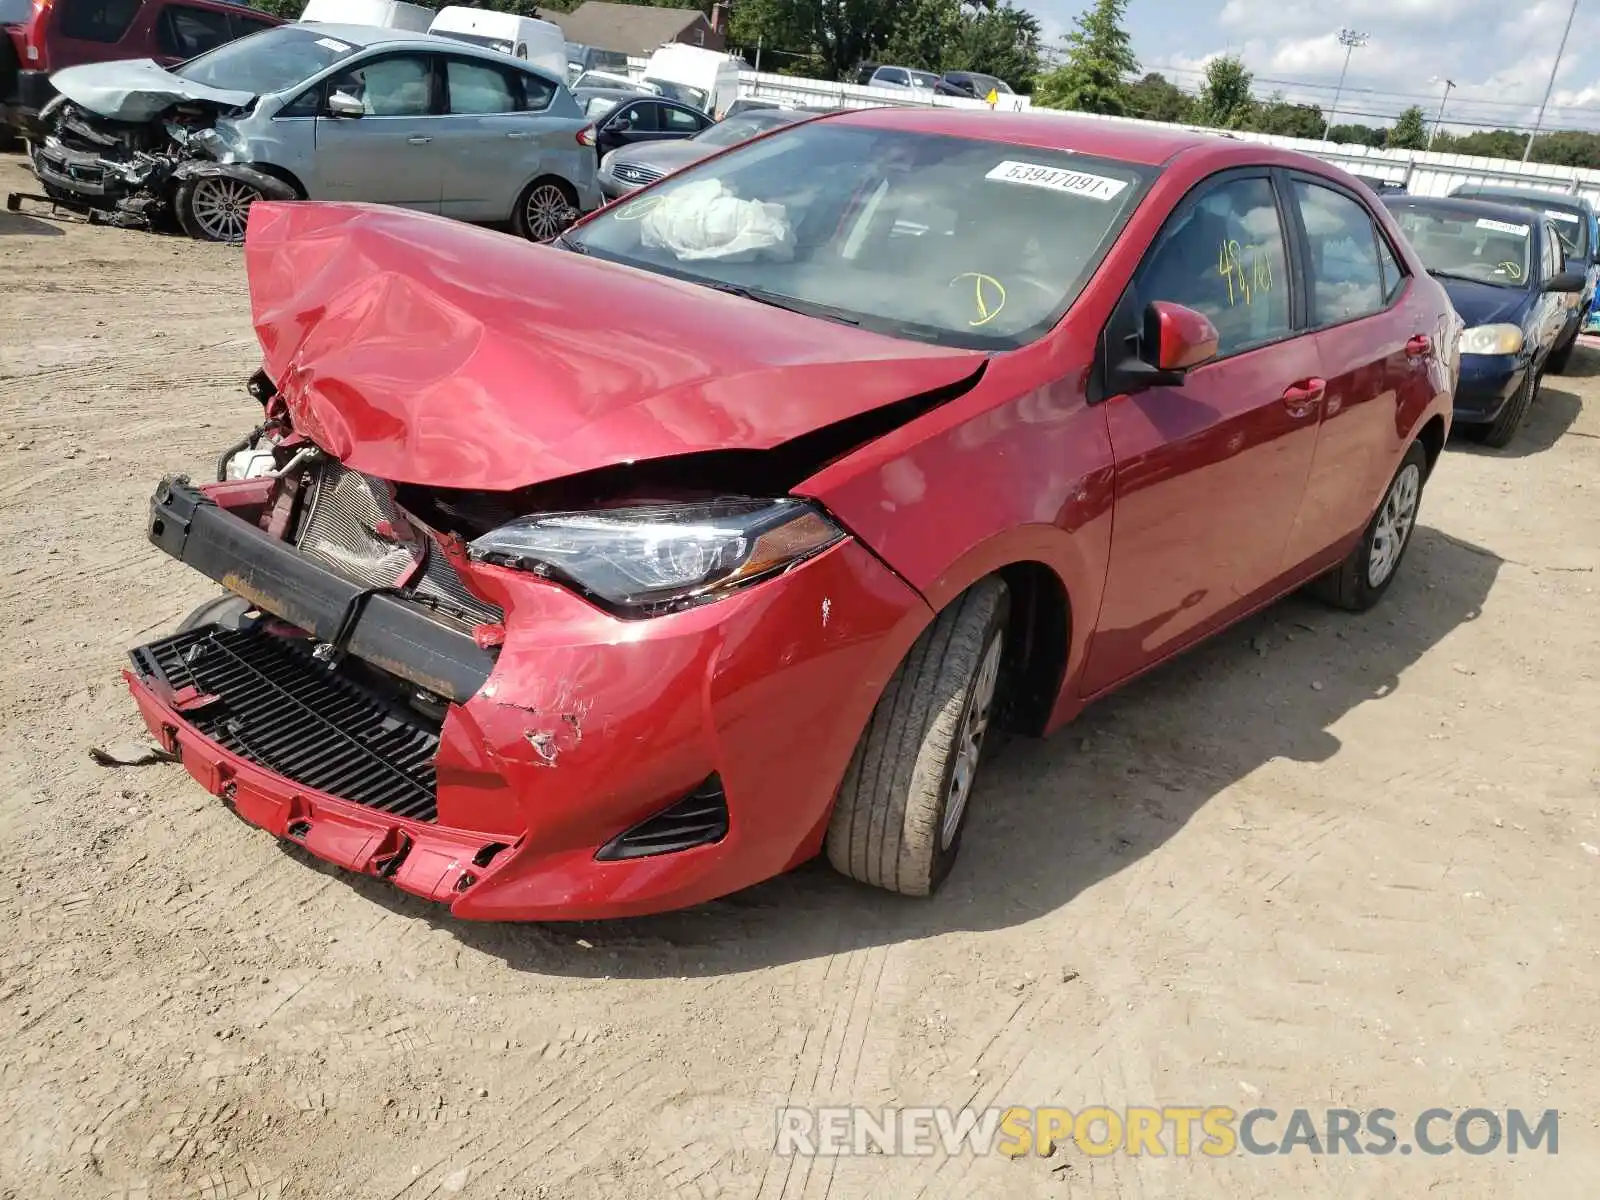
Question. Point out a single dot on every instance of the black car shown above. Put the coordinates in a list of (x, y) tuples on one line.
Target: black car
[(624, 117), (1503, 270), (628, 169), (1384, 187), (972, 84)]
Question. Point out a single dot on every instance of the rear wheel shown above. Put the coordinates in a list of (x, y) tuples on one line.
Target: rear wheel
[(545, 208), (1500, 432), (215, 208), (904, 802), (1361, 580)]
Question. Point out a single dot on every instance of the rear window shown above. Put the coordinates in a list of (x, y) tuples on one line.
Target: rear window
[(94, 20), (951, 240)]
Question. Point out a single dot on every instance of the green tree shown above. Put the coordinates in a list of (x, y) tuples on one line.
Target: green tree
[(925, 34), (1225, 101), (1410, 130), (1157, 98), (1099, 58), (1277, 115), (1357, 135), (1000, 40)]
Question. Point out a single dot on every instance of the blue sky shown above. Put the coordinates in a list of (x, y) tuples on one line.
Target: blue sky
[(1499, 53)]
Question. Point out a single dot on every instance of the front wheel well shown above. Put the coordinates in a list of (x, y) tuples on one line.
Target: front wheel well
[(1432, 439), (1036, 658), (279, 173)]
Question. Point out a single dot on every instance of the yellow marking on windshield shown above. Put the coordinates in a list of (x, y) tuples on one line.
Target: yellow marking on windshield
[(989, 305)]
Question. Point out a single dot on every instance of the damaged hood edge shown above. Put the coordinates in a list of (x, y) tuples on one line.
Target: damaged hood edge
[(424, 351), (136, 90)]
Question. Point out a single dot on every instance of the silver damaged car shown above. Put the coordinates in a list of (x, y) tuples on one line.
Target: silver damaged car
[(319, 112)]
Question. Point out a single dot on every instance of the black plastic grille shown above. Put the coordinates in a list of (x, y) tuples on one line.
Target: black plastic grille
[(699, 819), (279, 708)]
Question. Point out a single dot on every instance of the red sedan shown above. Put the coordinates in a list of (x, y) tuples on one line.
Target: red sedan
[(606, 577)]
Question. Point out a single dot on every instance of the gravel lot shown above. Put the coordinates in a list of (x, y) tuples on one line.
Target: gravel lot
[(1323, 861)]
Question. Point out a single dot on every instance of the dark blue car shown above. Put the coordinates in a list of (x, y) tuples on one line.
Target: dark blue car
[(1579, 226), (1503, 270)]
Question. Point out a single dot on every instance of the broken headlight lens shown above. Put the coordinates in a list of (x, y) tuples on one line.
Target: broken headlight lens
[(662, 555)]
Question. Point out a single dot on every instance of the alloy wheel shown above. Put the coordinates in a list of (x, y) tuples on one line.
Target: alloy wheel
[(1395, 519), (969, 741), (222, 207), (546, 212)]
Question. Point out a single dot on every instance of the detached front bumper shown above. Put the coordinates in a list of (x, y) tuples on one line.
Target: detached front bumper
[(1487, 382), (568, 758)]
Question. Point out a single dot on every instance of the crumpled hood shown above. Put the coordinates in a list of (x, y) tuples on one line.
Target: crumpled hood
[(422, 350), (1485, 304), (137, 89)]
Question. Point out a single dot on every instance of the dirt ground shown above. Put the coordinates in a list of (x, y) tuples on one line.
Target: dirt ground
[(1325, 860)]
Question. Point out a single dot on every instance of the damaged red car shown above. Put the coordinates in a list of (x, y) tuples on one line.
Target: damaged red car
[(613, 575)]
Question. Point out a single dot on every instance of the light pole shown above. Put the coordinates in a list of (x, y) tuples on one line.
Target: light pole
[(1437, 121), (1349, 39), (1550, 87)]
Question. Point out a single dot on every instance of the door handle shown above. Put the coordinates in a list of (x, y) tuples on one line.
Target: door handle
[(1301, 398), (418, 140), (1419, 345), (520, 136)]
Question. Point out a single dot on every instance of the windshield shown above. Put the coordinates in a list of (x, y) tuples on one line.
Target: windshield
[(958, 241), (732, 130), (273, 60), (1469, 247), (681, 92), (924, 79), (984, 84), (1570, 221), (475, 39)]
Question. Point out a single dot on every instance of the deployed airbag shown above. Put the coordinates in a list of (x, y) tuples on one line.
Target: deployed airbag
[(706, 220)]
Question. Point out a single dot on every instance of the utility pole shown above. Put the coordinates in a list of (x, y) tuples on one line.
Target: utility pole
[(1550, 87), (1350, 40), (1448, 84)]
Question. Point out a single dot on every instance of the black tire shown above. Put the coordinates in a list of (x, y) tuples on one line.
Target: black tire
[(1500, 432), (889, 822), (1561, 359), (195, 205), (226, 610), (539, 194), (1350, 585)]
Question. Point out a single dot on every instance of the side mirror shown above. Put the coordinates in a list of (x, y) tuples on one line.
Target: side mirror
[(1172, 340), (1567, 281), (344, 105)]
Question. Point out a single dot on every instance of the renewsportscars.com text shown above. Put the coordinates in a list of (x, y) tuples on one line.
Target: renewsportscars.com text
[(1211, 1131)]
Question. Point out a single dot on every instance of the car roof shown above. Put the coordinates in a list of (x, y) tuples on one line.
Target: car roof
[(1525, 195), (619, 93), (1513, 214), (1146, 145)]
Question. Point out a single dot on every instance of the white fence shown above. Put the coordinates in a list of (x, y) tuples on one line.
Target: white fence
[(1423, 173)]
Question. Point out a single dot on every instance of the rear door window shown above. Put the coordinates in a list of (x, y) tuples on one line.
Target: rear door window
[(681, 120), (1346, 277), (478, 89), (537, 92), (183, 31), (94, 20)]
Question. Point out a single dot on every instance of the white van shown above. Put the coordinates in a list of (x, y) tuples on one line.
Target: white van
[(385, 14), (695, 76), (539, 42)]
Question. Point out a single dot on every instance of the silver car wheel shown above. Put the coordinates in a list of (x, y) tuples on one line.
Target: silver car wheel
[(969, 743), (1395, 519), (221, 207), (546, 212)]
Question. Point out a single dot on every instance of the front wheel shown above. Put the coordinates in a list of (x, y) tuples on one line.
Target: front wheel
[(546, 208), (1361, 580), (215, 208), (899, 816), (1499, 433)]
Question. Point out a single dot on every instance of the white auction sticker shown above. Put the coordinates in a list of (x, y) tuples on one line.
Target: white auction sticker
[(1058, 179), (1570, 218), (1502, 227), (330, 44)]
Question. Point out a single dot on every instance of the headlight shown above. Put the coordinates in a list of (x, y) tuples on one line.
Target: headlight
[(1491, 339), (648, 558)]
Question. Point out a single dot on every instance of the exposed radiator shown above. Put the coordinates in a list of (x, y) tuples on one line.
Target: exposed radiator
[(350, 524)]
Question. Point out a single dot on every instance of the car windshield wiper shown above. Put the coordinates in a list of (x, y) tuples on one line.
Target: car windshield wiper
[(1466, 278), (776, 300), (566, 243)]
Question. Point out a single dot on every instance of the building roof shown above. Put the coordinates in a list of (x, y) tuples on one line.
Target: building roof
[(626, 28)]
